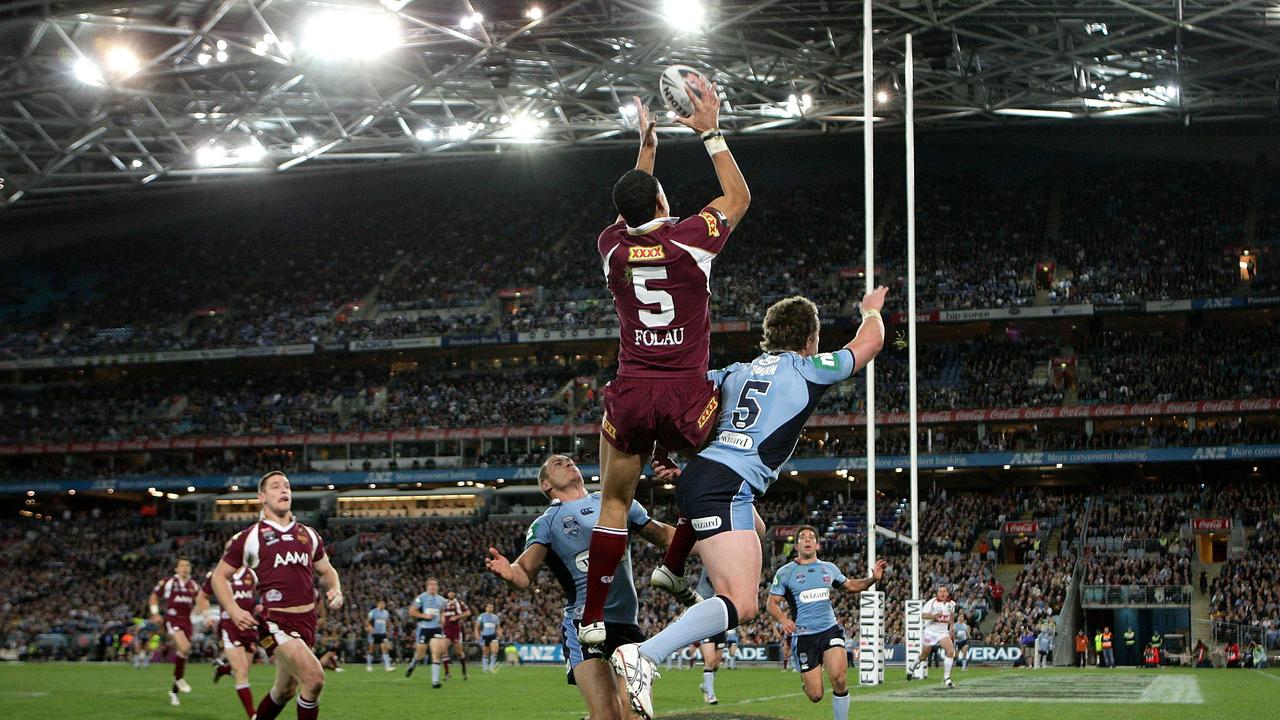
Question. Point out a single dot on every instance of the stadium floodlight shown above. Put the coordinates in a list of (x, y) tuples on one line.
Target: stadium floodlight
[(685, 15), (302, 144), (1035, 113), (533, 13), (523, 127), (882, 97), (191, 488), (627, 110), (222, 44), (1006, 467), (135, 163), (252, 151), (459, 132), (211, 155), (351, 34), (122, 61), (86, 71), (469, 21), (222, 56), (203, 58)]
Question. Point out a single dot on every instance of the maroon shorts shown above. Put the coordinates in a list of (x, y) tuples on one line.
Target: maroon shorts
[(174, 624), (677, 413), (454, 634), (233, 636), (276, 628)]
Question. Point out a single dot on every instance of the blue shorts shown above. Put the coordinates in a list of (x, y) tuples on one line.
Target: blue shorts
[(715, 499), (486, 639), (616, 635), (810, 649), (426, 635)]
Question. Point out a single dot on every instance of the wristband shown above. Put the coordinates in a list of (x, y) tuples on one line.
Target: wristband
[(155, 609), (714, 142), (872, 313)]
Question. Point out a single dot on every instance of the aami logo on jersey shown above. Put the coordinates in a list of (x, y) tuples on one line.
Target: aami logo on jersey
[(646, 253), (814, 595), (181, 599), (293, 558), (242, 594)]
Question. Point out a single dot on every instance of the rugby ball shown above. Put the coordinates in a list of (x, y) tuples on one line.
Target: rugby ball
[(675, 88)]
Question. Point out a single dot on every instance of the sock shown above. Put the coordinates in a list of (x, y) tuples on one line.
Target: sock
[(678, 551), (709, 617), (179, 667), (223, 669), (269, 708), (446, 666), (709, 682), (435, 673), (368, 660), (463, 662), (840, 705), (386, 660), (308, 709), (412, 664), (947, 662), (608, 545), (246, 698)]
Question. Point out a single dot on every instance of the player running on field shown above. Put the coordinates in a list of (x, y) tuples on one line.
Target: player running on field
[(428, 608), (560, 539), (938, 613), (658, 269), (178, 592), (487, 624), (376, 625), (766, 404), (287, 556), (817, 639), (238, 646), (455, 611)]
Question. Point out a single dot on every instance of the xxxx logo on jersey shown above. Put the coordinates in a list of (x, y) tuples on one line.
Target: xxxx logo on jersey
[(646, 253), (708, 412), (713, 226)]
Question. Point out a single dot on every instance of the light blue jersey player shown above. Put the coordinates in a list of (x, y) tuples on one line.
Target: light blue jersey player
[(817, 639), (764, 406), (561, 540), (376, 624), (428, 608), (487, 624)]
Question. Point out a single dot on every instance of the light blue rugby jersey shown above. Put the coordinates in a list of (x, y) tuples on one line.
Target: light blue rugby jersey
[(565, 529), (433, 607), (807, 589), (488, 623), (378, 619), (765, 404)]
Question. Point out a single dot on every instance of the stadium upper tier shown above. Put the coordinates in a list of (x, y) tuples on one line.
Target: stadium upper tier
[(1089, 367), (464, 261)]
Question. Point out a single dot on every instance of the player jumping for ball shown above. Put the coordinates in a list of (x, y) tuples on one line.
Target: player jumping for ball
[(659, 272), (766, 404)]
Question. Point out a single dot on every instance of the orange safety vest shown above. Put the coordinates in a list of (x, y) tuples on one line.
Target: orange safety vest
[(1106, 641)]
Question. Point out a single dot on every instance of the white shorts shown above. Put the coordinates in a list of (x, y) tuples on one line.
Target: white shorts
[(932, 637)]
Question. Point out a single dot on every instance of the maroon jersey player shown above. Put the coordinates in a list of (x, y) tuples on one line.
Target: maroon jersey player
[(659, 271), (178, 593), (287, 556), (455, 611), (238, 645)]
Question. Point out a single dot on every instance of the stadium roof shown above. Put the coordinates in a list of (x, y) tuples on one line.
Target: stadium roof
[(98, 96)]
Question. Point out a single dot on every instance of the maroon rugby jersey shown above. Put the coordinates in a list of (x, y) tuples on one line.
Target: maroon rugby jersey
[(284, 557), (178, 596), (453, 609), (244, 585), (660, 277)]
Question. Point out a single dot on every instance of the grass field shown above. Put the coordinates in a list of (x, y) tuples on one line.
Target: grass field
[(98, 692)]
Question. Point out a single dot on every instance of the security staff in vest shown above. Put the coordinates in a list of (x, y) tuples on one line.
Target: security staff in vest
[(1131, 647), (1108, 648)]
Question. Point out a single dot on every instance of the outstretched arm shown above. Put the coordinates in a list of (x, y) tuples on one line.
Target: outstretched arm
[(860, 584), (870, 338), (705, 121), (648, 139), (658, 533), (522, 572)]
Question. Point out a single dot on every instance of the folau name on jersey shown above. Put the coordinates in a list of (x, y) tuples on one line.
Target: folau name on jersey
[(649, 338)]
